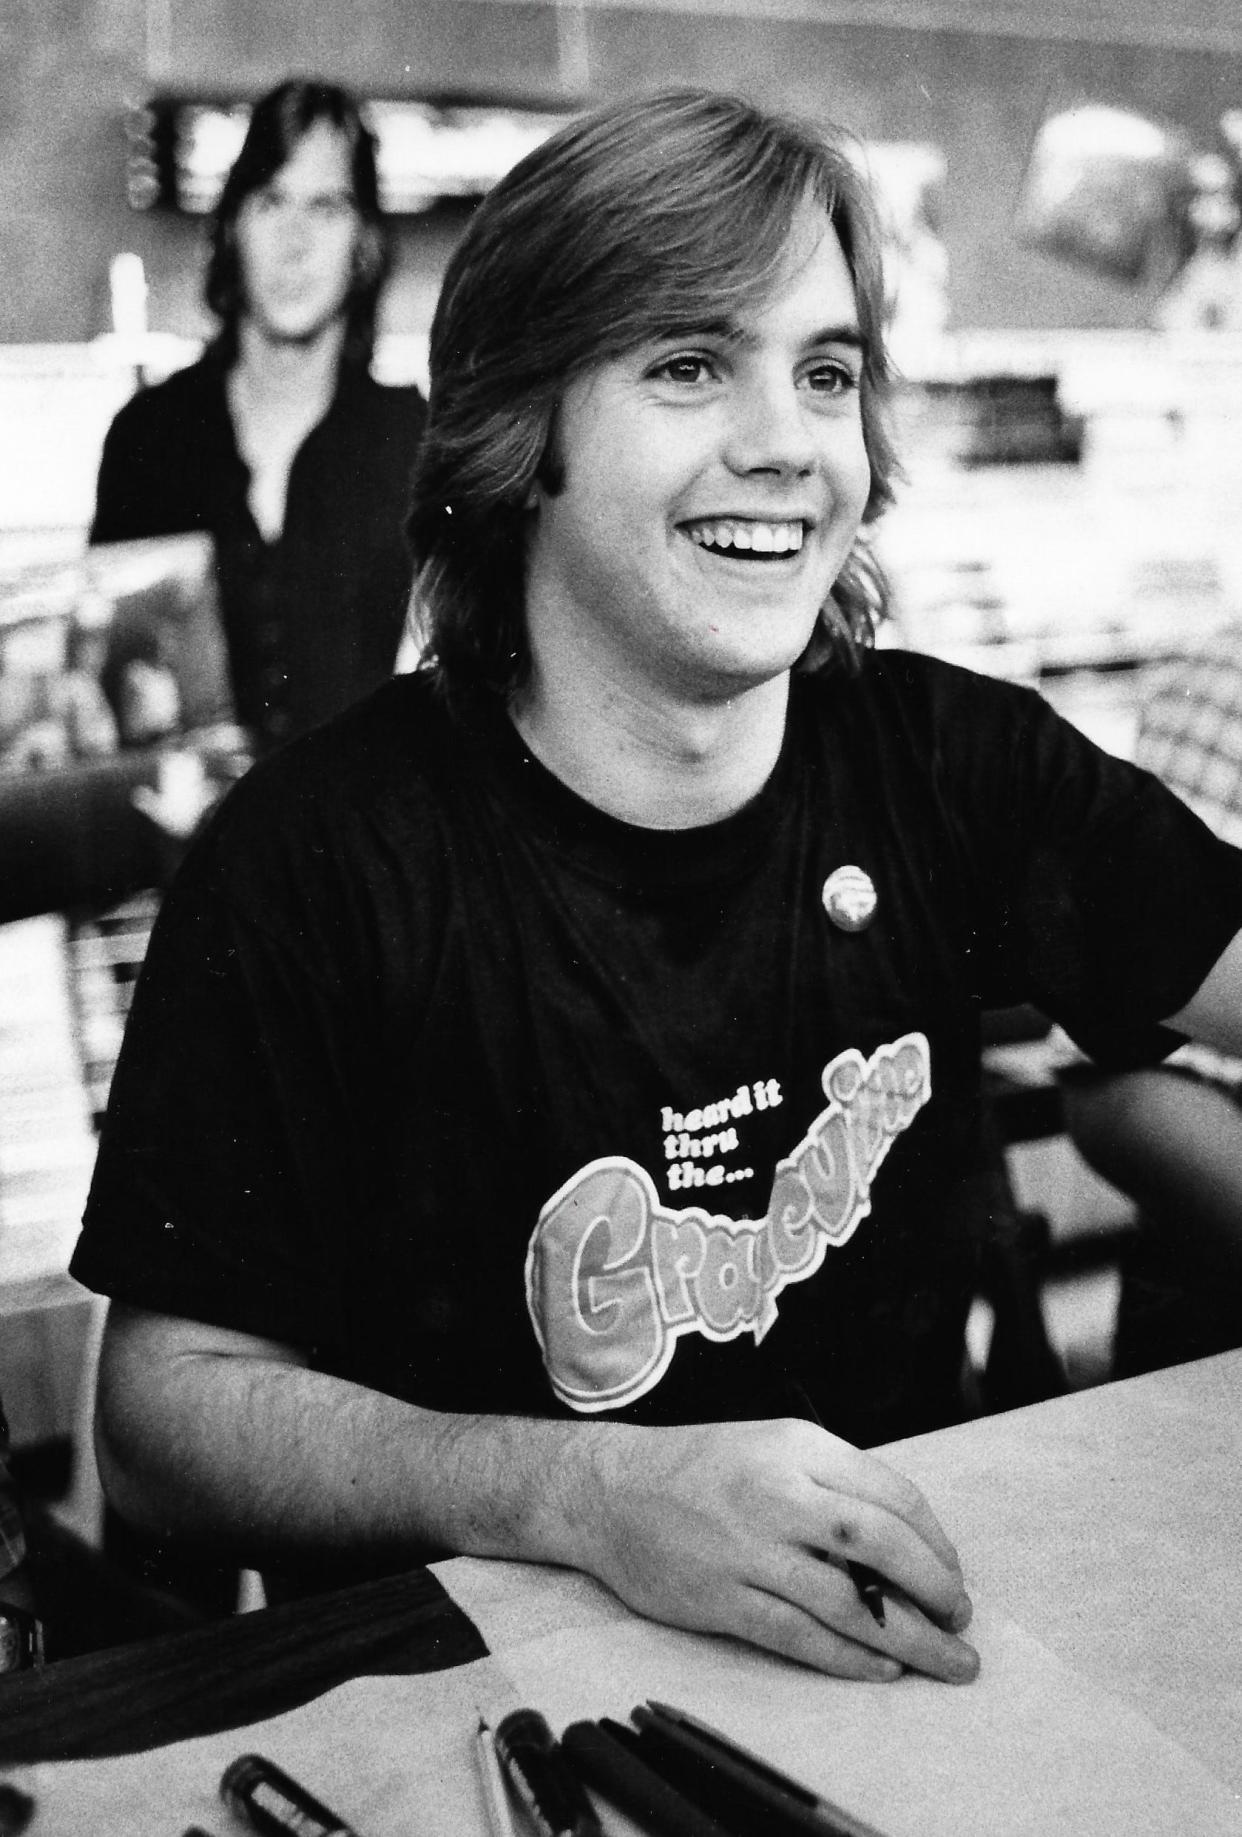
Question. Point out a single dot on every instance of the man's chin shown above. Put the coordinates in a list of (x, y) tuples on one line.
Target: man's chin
[(294, 332), (726, 677), (752, 666)]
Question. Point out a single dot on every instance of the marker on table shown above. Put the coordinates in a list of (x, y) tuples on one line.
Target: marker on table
[(542, 1777), (609, 1757), (272, 1802), (747, 1792)]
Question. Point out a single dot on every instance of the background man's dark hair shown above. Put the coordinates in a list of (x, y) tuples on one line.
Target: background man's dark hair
[(280, 121), (651, 215)]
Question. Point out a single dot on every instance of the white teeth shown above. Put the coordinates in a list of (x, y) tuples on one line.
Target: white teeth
[(759, 538)]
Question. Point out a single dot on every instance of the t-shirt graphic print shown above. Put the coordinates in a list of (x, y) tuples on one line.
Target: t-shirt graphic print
[(614, 1277)]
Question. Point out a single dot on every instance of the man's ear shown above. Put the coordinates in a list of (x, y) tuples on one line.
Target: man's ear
[(549, 479)]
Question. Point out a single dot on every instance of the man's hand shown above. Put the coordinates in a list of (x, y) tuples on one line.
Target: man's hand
[(745, 1528)]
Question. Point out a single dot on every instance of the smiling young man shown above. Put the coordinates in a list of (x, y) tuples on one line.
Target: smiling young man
[(278, 442), (555, 1085), (714, 481)]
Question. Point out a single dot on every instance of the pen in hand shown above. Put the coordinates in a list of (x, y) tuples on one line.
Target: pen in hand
[(869, 1582)]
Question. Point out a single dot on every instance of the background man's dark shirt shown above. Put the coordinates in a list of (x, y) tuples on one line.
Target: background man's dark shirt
[(313, 620)]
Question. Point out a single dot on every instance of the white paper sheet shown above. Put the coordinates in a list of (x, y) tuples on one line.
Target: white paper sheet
[(1029, 1750)]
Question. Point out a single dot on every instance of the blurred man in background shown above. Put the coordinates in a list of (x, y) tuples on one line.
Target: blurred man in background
[(278, 442)]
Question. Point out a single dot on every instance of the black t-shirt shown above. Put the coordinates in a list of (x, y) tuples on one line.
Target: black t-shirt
[(312, 620), (493, 1102)]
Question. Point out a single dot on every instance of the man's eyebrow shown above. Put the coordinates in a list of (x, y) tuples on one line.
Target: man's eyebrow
[(334, 193), (728, 331), (847, 332), (850, 333)]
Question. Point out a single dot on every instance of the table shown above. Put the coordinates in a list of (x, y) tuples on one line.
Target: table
[(1107, 1524)]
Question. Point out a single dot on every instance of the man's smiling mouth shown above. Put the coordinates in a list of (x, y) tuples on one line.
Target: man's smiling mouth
[(735, 536)]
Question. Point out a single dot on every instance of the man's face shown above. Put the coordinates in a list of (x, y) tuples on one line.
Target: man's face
[(296, 237), (713, 485)]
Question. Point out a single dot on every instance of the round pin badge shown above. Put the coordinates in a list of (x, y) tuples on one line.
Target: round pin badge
[(849, 898)]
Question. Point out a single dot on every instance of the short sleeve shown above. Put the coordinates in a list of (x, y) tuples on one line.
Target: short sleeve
[(1109, 901), (247, 1148), (230, 1162)]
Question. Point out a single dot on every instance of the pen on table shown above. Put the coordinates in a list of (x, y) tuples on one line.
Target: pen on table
[(496, 1799), (609, 1757), (748, 1792), (867, 1581), (551, 1792), (269, 1800)]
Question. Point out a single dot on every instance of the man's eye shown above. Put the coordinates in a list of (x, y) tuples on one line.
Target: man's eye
[(832, 379), (685, 367)]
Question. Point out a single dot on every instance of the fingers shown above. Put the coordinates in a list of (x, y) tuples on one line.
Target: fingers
[(829, 1594), (777, 1624), (854, 1647), (862, 1511), (925, 1647), (871, 1480), (848, 1530)]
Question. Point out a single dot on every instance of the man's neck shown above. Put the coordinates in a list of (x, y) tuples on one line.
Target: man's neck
[(276, 372), (658, 762), (278, 390)]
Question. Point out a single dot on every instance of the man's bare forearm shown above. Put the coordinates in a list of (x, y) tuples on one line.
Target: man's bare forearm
[(265, 1458)]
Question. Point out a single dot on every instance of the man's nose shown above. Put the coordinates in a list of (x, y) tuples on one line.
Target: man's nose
[(769, 428), (295, 227)]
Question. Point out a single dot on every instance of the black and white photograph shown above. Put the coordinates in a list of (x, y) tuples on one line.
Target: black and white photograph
[(621, 918)]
